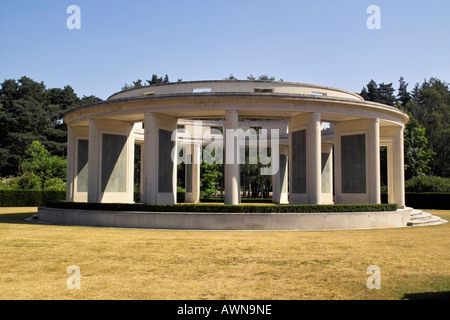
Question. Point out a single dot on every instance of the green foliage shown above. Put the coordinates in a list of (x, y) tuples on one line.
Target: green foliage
[(6, 183), (37, 160), (427, 136), (211, 178), (381, 93), (403, 96), (29, 198), (427, 184), (417, 154), (154, 80), (29, 111), (431, 107), (27, 181), (54, 184), (41, 171), (263, 77), (219, 208)]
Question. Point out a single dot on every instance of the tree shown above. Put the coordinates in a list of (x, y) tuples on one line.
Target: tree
[(29, 111), (386, 94), (154, 80), (381, 93), (39, 161), (41, 171), (23, 118), (370, 92), (417, 154), (137, 83), (417, 151), (263, 77), (88, 100), (211, 177), (60, 101), (403, 96), (231, 77), (430, 105)]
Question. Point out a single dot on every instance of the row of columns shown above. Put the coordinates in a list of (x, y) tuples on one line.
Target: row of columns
[(306, 161)]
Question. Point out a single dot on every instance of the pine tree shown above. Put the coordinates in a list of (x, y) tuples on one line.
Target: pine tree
[(403, 96)]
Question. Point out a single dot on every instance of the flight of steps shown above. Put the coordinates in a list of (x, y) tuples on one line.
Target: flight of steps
[(418, 218)]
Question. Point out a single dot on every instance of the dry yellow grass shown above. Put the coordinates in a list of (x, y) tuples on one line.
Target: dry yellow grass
[(160, 264)]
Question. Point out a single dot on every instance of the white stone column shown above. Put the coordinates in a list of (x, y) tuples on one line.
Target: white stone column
[(150, 160), (314, 158), (75, 170), (327, 173), (70, 185), (113, 183), (399, 168), (94, 162), (152, 193), (232, 167), (374, 162), (390, 171), (141, 191), (280, 179), (193, 196)]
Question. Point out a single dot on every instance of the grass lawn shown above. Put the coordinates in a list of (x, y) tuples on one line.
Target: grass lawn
[(162, 264)]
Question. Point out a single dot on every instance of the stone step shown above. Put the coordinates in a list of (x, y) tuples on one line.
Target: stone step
[(427, 224), (426, 219), (415, 212), (420, 218)]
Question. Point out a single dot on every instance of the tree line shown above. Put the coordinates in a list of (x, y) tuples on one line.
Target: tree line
[(31, 112), (427, 135)]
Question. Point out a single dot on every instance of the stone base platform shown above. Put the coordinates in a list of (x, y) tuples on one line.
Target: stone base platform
[(227, 221)]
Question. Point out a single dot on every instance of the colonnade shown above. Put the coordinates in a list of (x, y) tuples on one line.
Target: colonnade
[(101, 162)]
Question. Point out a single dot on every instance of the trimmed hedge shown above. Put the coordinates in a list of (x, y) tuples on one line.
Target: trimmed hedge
[(428, 184), (220, 208), (29, 198), (243, 200), (180, 196)]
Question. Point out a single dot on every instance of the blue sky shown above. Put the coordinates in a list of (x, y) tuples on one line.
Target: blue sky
[(319, 42)]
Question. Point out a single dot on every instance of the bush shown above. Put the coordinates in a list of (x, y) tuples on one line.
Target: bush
[(29, 198), (428, 184), (5, 183), (38, 160), (54, 184), (224, 208), (27, 181)]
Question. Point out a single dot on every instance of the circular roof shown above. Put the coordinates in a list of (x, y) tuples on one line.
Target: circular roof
[(235, 86)]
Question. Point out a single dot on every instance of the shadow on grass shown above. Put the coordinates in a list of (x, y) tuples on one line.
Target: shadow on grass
[(18, 218), (444, 295)]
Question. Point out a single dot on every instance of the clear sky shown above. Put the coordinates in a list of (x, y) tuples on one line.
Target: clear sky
[(320, 42)]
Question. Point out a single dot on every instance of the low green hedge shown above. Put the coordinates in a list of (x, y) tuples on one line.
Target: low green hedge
[(428, 184), (243, 200), (29, 198), (219, 208), (137, 196)]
